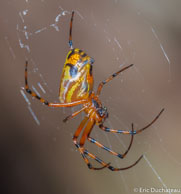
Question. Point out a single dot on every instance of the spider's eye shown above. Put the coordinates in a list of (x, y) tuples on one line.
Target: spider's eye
[(103, 112), (100, 111), (73, 70)]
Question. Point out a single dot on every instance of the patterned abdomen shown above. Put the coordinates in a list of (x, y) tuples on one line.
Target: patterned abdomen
[(76, 81)]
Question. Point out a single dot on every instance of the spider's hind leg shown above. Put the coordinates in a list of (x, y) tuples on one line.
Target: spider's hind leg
[(70, 32), (110, 78)]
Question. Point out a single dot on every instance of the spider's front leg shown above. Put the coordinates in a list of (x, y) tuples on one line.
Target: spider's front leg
[(107, 129), (92, 140), (114, 153), (80, 146)]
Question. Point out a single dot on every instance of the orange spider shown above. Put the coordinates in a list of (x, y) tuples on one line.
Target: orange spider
[(76, 87)]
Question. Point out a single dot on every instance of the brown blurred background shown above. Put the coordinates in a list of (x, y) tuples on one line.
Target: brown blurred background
[(38, 156)]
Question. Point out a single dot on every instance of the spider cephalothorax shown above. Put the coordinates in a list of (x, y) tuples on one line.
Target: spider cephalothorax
[(102, 111), (76, 87), (95, 109)]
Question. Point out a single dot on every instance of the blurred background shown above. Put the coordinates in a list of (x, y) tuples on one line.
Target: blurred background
[(36, 148)]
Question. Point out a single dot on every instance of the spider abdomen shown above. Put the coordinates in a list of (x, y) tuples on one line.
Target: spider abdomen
[(76, 81)]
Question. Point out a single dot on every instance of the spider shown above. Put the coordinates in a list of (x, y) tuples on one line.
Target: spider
[(76, 87)]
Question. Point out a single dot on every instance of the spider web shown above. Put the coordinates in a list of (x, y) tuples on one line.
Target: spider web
[(121, 34)]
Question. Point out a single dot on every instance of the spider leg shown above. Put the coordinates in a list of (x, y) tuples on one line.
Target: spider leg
[(74, 114), (83, 152), (111, 167), (114, 153), (80, 145), (125, 168), (110, 78), (92, 140), (97, 159), (70, 32), (28, 90), (106, 129)]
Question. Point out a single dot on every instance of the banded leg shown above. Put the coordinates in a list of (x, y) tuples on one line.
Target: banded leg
[(114, 153), (125, 168), (97, 159), (106, 129), (74, 114), (70, 32), (110, 78), (28, 90), (108, 165), (81, 148), (92, 140)]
